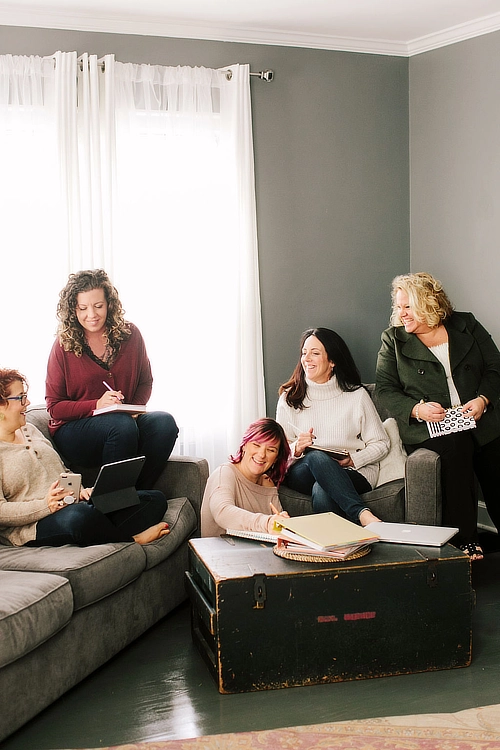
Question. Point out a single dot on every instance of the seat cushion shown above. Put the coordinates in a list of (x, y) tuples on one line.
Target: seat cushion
[(182, 522), (386, 501), (295, 503), (33, 607), (93, 572)]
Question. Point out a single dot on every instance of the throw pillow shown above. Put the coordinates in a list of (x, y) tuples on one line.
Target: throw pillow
[(393, 465)]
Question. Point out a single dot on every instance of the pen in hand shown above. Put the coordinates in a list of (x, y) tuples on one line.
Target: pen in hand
[(120, 398), (299, 432), (277, 512)]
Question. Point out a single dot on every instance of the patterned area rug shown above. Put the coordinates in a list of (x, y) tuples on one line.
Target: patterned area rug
[(473, 729)]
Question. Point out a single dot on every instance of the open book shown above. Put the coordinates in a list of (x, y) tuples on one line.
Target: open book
[(127, 408)]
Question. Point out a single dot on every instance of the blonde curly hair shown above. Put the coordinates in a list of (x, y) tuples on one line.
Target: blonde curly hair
[(70, 333), (427, 298)]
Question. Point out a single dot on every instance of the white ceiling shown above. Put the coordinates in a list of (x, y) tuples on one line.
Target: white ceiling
[(393, 27)]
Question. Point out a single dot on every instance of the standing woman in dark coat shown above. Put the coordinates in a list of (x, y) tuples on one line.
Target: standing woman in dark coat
[(433, 358)]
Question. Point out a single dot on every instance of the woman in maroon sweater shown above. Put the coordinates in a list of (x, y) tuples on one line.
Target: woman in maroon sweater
[(95, 345)]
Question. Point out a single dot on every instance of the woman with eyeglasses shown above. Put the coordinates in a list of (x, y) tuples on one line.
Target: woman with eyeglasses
[(99, 360), (35, 510)]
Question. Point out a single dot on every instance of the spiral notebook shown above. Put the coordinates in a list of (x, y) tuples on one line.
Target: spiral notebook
[(454, 421)]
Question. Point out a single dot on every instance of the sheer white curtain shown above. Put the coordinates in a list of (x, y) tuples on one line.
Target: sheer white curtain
[(185, 245), (85, 112), (146, 171), (32, 234)]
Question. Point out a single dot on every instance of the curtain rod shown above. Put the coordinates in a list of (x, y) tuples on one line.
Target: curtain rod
[(264, 75)]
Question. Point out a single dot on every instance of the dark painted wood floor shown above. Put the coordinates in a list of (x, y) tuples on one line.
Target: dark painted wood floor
[(159, 688)]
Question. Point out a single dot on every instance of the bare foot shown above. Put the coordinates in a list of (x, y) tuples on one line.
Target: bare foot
[(152, 534), (366, 517)]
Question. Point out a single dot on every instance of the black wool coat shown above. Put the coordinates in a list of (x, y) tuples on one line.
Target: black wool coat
[(407, 372)]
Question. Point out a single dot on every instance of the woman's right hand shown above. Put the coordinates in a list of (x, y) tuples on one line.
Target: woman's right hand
[(55, 496), (429, 411), (274, 521), (109, 398), (304, 440)]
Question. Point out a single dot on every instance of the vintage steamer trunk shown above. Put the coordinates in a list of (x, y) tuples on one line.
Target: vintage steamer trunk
[(263, 622)]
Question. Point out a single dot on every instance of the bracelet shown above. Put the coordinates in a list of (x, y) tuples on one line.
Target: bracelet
[(417, 410), (485, 402)]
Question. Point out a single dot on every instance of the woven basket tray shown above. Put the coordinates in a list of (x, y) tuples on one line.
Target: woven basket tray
[(289, 555)]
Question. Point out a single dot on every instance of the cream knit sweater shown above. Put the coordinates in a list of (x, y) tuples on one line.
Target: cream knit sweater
[(26, 473), (340, 419), (231, 501)]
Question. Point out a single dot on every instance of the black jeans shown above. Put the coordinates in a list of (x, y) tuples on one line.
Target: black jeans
[(487, 468), (83, 525), (461, 458), (112, 437), (332, 487), (457, 482)]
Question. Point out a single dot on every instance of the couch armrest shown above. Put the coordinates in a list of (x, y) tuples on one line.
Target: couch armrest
[(184, 476), (423, 488)]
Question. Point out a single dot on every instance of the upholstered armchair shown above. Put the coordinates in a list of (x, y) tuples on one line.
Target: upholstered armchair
[(414, 496)]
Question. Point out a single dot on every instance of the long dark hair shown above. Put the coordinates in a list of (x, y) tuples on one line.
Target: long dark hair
[(267, 430), (344, 368)]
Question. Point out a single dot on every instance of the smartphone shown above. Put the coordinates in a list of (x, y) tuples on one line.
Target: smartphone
[(71, 483)]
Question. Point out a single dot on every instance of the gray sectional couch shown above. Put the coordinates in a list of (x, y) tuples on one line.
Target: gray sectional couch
[(65, 611)]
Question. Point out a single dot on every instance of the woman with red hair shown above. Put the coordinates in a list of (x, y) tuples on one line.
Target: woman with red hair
[(36, 510), (243, 494)]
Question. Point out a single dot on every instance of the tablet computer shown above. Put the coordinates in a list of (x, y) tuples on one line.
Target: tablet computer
[(114, 488)]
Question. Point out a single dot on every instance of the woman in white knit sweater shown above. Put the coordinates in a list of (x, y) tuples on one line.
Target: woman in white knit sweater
[(324, 404)]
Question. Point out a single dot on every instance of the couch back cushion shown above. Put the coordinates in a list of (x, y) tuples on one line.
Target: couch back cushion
[(382, 411), (39, 416)]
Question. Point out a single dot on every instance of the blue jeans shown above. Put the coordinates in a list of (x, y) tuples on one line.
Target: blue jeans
[(106, 438), (82, 524), (332, 487)]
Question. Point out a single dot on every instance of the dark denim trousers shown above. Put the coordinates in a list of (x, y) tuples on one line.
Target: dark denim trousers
[(332, 487), (112, 437), (83, 525)]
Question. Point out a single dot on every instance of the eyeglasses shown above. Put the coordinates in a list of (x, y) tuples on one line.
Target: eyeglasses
[(22, 398)]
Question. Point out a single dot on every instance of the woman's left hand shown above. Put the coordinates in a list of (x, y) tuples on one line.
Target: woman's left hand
[(474, 408), (85, 493), (346, 463)]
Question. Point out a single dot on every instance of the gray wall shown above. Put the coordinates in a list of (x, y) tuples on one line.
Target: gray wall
[(455, 172), (331, 153)]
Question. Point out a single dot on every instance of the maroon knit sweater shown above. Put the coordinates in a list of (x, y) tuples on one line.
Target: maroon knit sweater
[(74, 384)]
